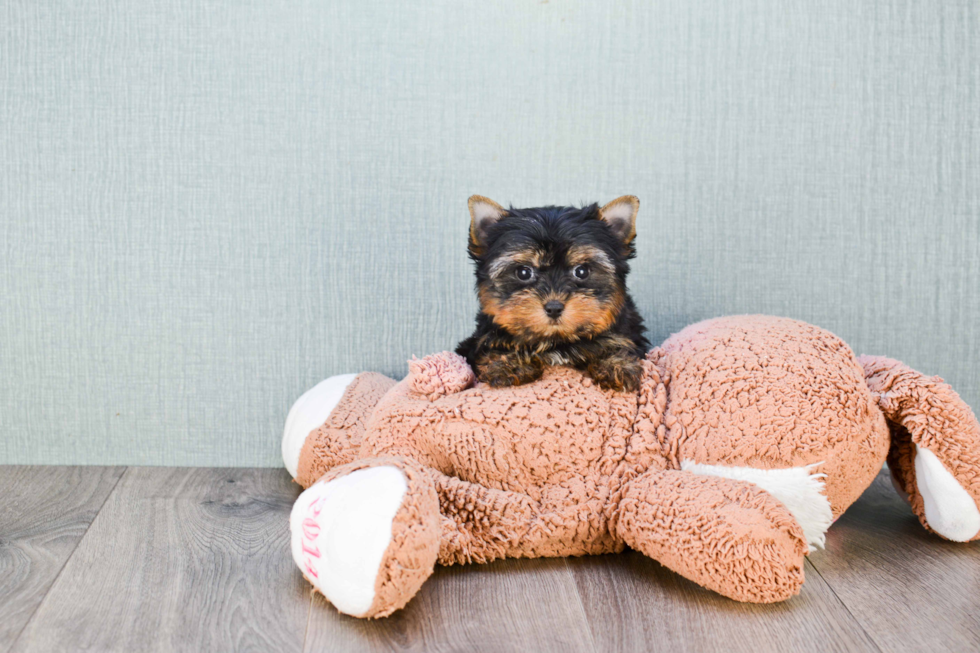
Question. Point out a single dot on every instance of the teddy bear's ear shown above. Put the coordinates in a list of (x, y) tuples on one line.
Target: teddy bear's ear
[(484, 212), (620, 215)]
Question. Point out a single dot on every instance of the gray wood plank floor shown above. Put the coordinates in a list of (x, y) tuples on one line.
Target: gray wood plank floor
[(164, 559), (44, 512)]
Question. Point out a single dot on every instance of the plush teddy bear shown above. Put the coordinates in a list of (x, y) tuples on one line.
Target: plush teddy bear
[(748, 437)]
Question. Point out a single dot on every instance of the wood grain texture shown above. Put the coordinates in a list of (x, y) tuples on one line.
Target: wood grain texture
[(181, 560), (198, 560), (635, 604), (911, 590), (511, 605), (44, 512)]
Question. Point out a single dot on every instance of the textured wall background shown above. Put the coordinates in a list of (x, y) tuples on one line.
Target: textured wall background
[(207, 207)]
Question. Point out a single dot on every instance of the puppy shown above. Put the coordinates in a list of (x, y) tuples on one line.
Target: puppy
[(551, 282)]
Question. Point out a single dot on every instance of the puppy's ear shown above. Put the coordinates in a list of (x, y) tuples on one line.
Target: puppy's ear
[(620, 215), (484, 213)]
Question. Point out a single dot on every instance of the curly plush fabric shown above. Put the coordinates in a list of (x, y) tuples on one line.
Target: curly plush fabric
[(338, 440), (552, 445), (679, 518), (926, 412), (765, 392), (748, 435), (435, 376)]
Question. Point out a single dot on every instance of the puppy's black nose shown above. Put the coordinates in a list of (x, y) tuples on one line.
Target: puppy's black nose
[(554, 308)]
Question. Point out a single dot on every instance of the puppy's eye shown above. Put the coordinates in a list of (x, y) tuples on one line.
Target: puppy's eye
[(581, 272), (524, 273)]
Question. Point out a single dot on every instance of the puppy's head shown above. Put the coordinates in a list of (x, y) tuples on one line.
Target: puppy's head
[(556, 273)]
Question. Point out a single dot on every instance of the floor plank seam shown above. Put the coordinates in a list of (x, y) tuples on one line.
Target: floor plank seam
[(309, 618), (581, 606), (845, 606), (54, 581)]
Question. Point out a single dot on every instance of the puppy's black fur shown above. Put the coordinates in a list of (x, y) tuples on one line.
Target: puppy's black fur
[(552, 288)]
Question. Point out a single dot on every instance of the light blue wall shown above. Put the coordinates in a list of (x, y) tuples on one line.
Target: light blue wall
[(206, 207)]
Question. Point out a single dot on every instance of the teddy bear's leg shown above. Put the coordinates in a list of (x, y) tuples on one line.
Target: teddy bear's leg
[(481, 524), (325, 426), (730, 536), (366, 535), (935, 451)]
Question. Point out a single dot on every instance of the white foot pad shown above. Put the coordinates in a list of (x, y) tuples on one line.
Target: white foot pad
[(950, 511), (800, 489), (309, 412), (340, 531)]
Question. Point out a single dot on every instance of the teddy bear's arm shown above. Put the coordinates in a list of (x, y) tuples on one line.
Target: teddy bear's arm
[(727, 535), (441, 374)]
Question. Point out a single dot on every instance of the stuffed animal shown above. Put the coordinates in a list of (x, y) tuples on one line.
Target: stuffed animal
[(748, 437)]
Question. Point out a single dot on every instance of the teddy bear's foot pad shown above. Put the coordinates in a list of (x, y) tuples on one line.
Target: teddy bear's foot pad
[(950, 510), (341, 530)]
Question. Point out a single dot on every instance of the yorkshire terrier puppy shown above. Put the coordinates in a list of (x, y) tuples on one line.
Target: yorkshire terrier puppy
[(552, 288)]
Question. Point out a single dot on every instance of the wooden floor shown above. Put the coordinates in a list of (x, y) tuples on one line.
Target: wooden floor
[(198, 560)]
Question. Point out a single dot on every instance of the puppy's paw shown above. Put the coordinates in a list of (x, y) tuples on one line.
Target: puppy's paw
[(505, 372), (616, 373)]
